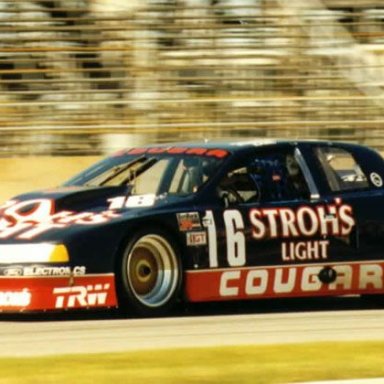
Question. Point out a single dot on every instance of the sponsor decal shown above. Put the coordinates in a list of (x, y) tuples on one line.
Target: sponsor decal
[(296, 224), (81, 296), (36, 293), (306, 221), (42, 270), (216, 152), (196, 238), (305, 250), (376, 179), (12, 271), (31, 218), (188, 221), (15, 298), (284, 281), (136, 201)]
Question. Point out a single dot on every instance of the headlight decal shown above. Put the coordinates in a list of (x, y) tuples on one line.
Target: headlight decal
[(33, 253)]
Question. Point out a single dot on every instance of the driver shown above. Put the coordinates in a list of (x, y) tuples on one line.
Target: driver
[(296, 184)]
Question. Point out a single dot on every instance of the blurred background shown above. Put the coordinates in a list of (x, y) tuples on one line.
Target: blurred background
[(86, 77)]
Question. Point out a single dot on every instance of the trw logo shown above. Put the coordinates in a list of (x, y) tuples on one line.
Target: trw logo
[(81, 296)]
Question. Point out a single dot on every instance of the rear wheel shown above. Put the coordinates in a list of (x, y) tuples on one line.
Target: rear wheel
[(150, 274)]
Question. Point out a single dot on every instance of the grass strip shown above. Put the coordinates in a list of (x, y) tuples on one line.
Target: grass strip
[(250, 364)]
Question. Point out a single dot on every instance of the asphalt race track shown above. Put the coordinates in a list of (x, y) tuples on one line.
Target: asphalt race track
[(23, 336)]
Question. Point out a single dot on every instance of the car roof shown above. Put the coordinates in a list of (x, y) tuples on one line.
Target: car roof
[(235, 144)]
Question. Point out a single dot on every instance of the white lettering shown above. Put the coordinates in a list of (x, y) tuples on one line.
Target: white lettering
[(280, 286), (256, 282), (346, 218), (38, 229), (33, 211), (81, 296), (305, 250), (288, 219), (225, 289), (371, 275), (329, 222), (271, 215), (258, 227), (307, 221), (301, 280), (31, 218), (209, 223), (140, 201), (310, 280), (15, 298), (234, 227), (334, 219), (343, 277)]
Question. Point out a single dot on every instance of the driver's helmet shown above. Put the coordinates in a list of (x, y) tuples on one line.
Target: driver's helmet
[(292, 166)]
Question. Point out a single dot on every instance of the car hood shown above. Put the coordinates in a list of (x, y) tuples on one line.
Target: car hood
[(31, 216), (76, 198)]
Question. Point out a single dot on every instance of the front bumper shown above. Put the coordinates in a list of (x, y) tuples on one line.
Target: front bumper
[(19, 294), (39, 277)]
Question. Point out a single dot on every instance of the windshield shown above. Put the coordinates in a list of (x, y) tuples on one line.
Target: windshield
[(150, 174)]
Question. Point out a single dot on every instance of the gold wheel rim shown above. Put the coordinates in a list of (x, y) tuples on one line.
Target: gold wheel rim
[(152, 270), (144, 271)]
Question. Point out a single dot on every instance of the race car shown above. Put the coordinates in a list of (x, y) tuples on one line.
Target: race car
[(152, 226)]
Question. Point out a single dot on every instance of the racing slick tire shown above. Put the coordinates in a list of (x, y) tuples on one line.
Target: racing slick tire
[(150, 275)]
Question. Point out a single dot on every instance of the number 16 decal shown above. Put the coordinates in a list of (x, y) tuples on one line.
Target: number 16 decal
[(209, 223), (234, 233)]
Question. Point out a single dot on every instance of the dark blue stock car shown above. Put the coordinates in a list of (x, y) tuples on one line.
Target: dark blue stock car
[(195, 222)]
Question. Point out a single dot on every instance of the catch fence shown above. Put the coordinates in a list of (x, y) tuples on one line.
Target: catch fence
[(88, 77)]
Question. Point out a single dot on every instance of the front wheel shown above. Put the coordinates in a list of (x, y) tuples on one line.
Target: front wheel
[(150, 274)]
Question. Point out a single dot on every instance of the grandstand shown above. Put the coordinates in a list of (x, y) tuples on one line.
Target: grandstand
[(86, 77)]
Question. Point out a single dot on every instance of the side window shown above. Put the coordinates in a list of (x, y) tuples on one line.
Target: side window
[(340, 169), (148, 181), (191, 173), (280, 178), (267, 178), (238, 187)]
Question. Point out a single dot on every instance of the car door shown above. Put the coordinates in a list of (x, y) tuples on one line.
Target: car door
[(283, 223), (275, 235)]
